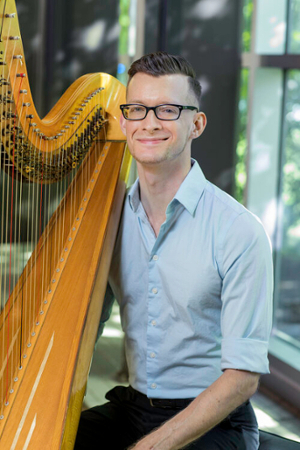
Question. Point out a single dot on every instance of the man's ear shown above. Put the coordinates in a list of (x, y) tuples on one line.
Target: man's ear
[(123, 124), (199, 125)]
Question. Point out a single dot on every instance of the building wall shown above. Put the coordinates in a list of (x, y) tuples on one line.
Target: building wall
[(207, 34), (64, 40)]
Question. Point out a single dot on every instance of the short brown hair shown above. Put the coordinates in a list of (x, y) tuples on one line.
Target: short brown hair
[(162, 63)]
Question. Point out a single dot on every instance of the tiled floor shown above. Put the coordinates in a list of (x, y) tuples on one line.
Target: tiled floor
[(272, 414)]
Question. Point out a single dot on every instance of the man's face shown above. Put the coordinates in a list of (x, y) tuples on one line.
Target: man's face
[(152, 141)]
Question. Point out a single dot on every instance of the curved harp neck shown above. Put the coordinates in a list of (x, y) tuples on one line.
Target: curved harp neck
[(74, 122)]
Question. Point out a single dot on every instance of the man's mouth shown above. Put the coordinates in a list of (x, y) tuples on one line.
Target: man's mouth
[(151, 141)]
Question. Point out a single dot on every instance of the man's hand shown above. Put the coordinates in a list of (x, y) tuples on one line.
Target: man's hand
[(157, 440)]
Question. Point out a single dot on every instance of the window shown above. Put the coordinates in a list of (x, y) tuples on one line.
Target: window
[(272, 118), (287, 287)]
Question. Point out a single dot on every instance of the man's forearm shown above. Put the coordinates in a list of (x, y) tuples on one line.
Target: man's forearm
[(213, 405)]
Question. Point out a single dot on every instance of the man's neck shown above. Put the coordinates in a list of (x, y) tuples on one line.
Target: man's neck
[(158, 186)]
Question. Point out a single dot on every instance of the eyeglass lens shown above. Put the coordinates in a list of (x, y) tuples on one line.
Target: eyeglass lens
[(164, 112)]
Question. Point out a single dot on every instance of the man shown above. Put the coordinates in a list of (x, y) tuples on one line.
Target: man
[(192, 272)]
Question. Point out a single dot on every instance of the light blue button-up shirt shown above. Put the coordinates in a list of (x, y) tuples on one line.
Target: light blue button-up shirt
[(196, 299)]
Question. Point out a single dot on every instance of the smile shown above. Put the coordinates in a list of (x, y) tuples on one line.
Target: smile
[(152, 141)]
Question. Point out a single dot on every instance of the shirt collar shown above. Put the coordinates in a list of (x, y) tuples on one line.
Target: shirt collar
[(188, 194), (134, 195), (191, 189)]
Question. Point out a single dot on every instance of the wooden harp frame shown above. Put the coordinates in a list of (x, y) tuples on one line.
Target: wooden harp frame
[(46, 385)]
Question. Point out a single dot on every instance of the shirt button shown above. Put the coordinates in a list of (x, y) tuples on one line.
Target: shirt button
[(155, 290), (155, 257), (152, 355), (153, 386), (153, 322)]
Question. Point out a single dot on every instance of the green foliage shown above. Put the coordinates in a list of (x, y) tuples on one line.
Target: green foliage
[(290, 176), (241, 150), (247, 20), (294, 33), (124, 21)]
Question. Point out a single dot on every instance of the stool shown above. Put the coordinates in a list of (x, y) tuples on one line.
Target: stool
[(270, 441)]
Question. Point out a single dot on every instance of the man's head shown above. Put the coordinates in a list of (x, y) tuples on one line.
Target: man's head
[(161, 116), (161, 63)]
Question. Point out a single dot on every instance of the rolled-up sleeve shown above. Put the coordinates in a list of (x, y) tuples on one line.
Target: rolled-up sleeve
[(247, 295)]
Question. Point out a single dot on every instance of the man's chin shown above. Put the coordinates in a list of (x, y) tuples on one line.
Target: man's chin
[(150, 161)]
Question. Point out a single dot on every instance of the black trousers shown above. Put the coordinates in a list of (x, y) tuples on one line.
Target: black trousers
[(128, 416)]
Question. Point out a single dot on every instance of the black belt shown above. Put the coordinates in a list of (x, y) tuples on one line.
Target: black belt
[(165, 403)]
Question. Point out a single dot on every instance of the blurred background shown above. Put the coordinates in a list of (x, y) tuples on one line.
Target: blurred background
[(247, 57)]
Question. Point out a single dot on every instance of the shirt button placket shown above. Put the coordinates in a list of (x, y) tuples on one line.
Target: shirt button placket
[(153, 335)]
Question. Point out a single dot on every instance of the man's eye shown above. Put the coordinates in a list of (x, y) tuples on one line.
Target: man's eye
[(136, 109), (168, 110)]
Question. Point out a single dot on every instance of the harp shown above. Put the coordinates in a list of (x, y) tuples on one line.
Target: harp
[(50, 313)]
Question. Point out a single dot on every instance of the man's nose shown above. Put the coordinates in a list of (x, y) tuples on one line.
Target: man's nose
[(151, 121)]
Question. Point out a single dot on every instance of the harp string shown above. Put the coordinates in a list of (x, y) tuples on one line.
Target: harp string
[(27, 312), (18, 189), (11, 243), (3, 13), (13, 249), (40, 283), (4, 95), (19, 259)]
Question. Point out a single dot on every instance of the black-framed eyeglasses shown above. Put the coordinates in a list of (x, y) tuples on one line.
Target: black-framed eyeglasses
[(135, 111)]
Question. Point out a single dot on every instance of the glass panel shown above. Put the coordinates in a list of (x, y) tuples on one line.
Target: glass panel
[(247, 20), (262, 187), (241, 149), (294, 27), (271, 27), (287, 288)]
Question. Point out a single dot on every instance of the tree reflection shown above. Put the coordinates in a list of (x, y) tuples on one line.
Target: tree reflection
[(288, 264)]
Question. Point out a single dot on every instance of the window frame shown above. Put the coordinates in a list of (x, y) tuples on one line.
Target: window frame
[(284, 378)]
